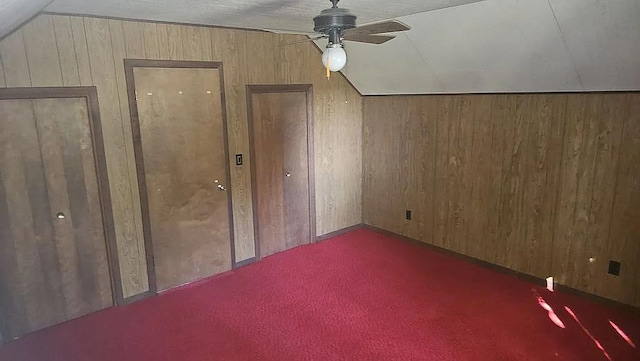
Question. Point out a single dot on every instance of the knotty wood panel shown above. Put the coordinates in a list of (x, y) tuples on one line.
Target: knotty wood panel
[(281, 161), (540, 183), (53, 268), (99, 47)]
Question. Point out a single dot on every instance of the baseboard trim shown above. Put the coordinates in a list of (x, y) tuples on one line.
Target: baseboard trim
[(338, 232), (135, 298), (245, 262), (529, 278)]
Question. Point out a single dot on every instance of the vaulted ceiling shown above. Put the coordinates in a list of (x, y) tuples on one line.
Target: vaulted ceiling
[(454, 46), (507, 46), (15, 12)]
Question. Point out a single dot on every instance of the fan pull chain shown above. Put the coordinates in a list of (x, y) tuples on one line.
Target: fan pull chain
[(328, 71)]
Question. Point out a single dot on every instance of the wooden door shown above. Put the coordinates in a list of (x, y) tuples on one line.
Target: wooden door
[(53, 254), (282, 166), (182, 160)]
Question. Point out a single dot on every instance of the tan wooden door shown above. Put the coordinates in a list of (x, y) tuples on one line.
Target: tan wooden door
[(53, 256), (280, 134), (182, 136)]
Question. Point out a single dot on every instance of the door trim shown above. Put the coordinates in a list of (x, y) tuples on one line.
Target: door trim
[(90, 94), (129, 65), (282, 88)]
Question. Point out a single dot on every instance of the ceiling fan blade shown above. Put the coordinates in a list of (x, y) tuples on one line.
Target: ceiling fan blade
[(367, 38), (305, 40), (379, 28)]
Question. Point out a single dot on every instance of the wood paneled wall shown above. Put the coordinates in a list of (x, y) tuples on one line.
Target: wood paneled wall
[(54, 50), (539, 183)]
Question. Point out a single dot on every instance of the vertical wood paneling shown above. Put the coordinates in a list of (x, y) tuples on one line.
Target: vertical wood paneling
[(205, 43), (42, 52), (288, 71), (190, 37), (493, 245), (428, 132), (121, 51), (130, 244), (91, 51), (14, 60), (261, 46), (151, 47), (2, 81), (578, 243), (338, 144), (542, 162), (132, 39), (441, 187), (408, 154), (611, 120), (81, 50), (227, 45), (593, 141), (479, 162), (513, 181), (66, 51), (162, 36), (527, 181), (623, 245), (175, 43)]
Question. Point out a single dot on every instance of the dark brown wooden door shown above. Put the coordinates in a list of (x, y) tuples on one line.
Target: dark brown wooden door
[(281, 153), (53, 256), (182, 138)]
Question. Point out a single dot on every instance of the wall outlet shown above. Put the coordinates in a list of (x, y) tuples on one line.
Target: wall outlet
[(408, 215), (614, 268)]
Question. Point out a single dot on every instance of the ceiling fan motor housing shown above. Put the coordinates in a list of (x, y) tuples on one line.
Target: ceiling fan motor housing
[(333, 22)]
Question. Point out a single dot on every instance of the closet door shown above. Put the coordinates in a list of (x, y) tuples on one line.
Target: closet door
[(182, 164), (282, 166), (53, 256)]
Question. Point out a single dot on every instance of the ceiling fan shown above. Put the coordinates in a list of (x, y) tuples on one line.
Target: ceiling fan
[(338, 25)]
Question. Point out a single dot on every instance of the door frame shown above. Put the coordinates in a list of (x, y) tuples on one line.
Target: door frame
[(90, 94), (129, 65), (282, 88)]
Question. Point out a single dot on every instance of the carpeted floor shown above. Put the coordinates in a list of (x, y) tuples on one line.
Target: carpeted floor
[(360, 296)]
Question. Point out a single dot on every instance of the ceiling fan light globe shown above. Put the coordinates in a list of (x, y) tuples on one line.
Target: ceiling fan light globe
[(336, 57)]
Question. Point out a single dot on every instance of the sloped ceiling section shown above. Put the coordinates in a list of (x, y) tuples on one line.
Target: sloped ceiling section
[(507, 46), (14, 12), (277, 15), (454, 46)]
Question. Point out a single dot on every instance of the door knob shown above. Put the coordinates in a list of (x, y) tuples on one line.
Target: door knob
[(221, 187), (287, 174)]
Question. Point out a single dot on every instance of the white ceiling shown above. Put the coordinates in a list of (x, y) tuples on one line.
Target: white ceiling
[(291, 15), (14, 12), (507, 46), (454, 46)]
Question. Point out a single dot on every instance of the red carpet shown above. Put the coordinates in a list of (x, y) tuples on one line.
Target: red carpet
[(361, 296)]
